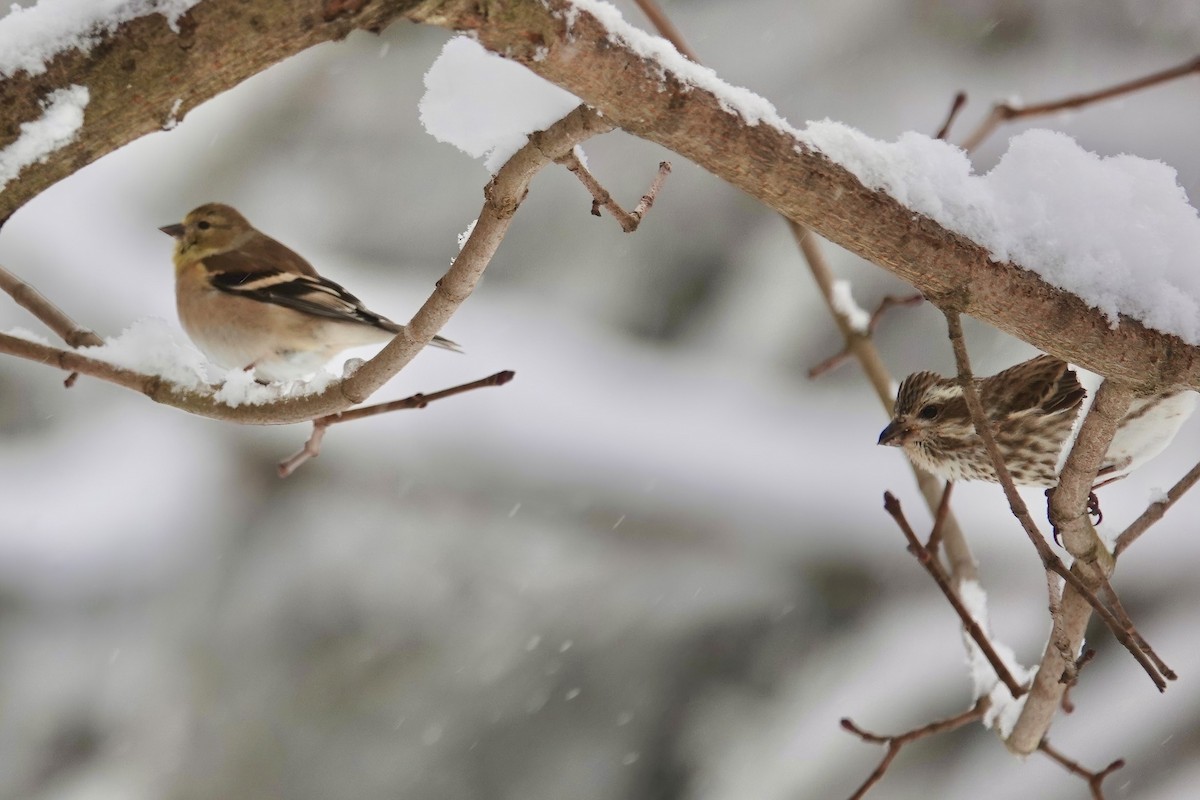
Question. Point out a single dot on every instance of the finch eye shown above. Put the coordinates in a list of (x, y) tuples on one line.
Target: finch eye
[(929, 412), (203, 225)]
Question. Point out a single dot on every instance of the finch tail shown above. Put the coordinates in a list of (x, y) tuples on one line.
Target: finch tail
[(446, 344), (438, 341)]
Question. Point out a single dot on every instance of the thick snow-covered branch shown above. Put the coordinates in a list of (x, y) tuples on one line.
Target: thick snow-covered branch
[(141, 73), (741, 140), (141, 65)]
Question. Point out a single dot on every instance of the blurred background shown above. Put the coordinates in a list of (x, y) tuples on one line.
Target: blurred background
[(656, 564)]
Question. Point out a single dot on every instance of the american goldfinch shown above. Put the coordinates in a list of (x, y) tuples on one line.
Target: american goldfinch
[(248, 301)]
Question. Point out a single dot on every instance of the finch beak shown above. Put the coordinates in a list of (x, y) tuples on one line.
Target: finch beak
[(174, 231), (893, 434)]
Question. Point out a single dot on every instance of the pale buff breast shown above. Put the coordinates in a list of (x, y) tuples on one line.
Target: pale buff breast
[(282, 344)]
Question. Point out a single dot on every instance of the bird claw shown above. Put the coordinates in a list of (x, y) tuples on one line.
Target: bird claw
[(1093, 508)]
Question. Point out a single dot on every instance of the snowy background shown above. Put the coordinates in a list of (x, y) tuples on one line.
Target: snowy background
[(655, 565)]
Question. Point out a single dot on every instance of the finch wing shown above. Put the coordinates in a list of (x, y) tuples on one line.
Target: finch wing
[(260, 253), (1045, 383), (310, 294)]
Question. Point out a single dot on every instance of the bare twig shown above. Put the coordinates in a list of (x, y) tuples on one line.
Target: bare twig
[(956, 106), (312, 447), (939, 519), (1155, 511), (934, 568), (35, 302), (877, 315), (1109, 595), (1070, 680), (1060, 640), (895, 743), (628, 220), (1094, 779), (662, 23), (1049, 559), (1005, 112)]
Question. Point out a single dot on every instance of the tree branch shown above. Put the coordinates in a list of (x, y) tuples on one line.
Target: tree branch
[(970, 624), (897, 742), (1155, 511), (54, 318), (312, 447), (1005, 112), (1077, 596), (136, 73), (1068, 502), (783, 172), (1094, 779), (628, 220), (503, 196)]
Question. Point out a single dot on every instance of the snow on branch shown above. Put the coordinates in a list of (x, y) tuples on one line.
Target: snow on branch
[(31, 37), (56, 128), (653, 92)]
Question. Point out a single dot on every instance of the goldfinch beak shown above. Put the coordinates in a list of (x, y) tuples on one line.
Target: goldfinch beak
[(893, 435), (175, 231)]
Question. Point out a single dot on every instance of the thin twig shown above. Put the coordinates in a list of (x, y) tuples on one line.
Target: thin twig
[(1094, 779), (36, 303), (1155, 511), (628, 220), (1049, 559), (1005, 112), (1109, 594), (1059, 639), (312, 447), (895, 743), (666, 28), (888, 302), (939, 519), (934, 568), (956, 106), (1070, 680)]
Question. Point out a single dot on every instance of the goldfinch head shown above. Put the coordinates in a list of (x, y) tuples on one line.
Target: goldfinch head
[(208, 229)]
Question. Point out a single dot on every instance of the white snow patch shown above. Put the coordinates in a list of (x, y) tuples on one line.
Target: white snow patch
[(240, 387), (843, 303), (1003, 710), (28, 335), (152, 347), (582, 156), (172, 119), (465, 235), (485, 105), (61, 120), (752, 108), (1117, 231), (30, 37)]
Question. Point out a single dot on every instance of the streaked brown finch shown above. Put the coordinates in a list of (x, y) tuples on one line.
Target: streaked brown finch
[(1033, 408)]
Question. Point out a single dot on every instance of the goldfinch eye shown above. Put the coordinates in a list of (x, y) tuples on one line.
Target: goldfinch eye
[(203, 225), (929, 412)]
